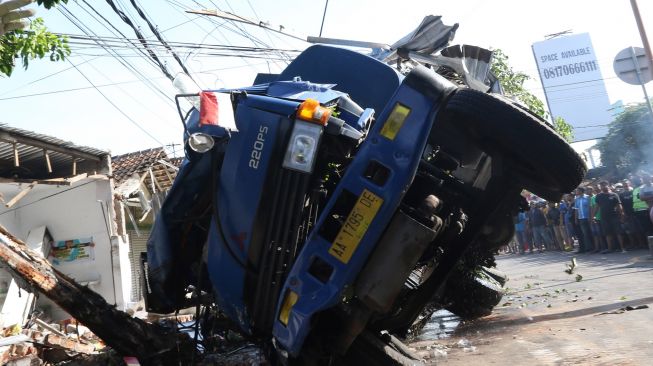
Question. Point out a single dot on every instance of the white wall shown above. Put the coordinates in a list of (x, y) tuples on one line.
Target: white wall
[(73, 212)]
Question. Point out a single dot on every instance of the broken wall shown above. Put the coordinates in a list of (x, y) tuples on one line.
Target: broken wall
[(78, 211)]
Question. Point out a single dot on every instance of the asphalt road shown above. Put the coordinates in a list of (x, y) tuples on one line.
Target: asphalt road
[(601, 314)]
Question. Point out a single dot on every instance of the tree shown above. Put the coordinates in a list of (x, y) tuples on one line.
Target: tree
[(513, 86), (628, 146), (35, 42)]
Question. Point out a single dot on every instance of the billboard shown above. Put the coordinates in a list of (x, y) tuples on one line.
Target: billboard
[(573, 84)]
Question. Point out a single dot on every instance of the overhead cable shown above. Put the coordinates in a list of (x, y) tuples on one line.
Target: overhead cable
[(159, 37), (140, 38)]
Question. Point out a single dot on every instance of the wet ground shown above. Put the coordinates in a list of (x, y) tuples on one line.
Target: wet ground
[(601, 314)]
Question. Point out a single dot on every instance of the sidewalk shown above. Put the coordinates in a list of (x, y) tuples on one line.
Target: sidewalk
[(549, 317)]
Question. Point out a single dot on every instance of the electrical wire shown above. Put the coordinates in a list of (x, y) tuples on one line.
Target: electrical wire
[(51, 195), (119, 42), (120, 110), (111, 84), (110, 24), (47, 76), (159, 36), (239, 32), (140, 37), (165, 97)]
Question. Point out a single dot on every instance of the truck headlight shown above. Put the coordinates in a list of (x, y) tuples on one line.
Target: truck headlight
[(302, 147)]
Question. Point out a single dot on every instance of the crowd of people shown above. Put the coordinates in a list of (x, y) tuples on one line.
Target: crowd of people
[(596, 218)]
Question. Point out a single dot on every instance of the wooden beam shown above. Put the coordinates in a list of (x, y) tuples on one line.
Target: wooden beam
[(133, 221), (169, 175), (16, 157), (76, 178), (155, 181), (142, 178), (161, 161), (52, 182), (21, 194), (144, 215), (48, 165)]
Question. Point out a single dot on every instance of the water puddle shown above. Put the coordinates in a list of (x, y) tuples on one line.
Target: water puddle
[(441, 325)]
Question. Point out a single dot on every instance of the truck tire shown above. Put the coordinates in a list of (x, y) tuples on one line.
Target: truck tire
[(473, 297), (549, 167)]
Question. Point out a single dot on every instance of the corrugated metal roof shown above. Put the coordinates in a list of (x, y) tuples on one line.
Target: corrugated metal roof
[(66, 158), (52, 140)]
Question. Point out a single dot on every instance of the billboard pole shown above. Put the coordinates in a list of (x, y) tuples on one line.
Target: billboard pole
[(641, 82), (642, 33), (546, 97)]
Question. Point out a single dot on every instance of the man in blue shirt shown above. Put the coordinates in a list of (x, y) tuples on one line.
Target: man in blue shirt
[(583, 213), (520, 228)]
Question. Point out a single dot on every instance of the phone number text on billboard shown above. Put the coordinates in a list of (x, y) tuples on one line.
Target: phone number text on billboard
[(570, 69)]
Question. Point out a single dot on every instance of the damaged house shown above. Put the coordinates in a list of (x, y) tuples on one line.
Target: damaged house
[(142, 179), (59, 199)]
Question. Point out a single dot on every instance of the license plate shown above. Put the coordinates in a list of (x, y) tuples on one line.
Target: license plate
[(355, 226)]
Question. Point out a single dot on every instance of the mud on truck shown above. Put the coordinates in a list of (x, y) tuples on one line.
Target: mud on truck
[(350, 202)]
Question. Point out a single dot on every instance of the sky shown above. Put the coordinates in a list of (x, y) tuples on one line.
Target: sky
[(119, 101)]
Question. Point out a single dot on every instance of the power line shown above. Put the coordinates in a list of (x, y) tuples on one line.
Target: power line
[(66, 90), (113, 84), (118, 108), (239, 31), (177, 5), (140, 37), (120, 42), (45, 77), (64, 10), (112, 26), (159, 36)]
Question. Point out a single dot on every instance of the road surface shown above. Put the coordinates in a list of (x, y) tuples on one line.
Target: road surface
[(601, 314)]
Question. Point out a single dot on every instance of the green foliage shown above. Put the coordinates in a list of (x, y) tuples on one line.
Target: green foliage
[(27, 45), (50, 3), (563, 128), (628, 146), (513, 86)]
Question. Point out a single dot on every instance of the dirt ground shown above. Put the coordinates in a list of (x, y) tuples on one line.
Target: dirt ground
[(601, 314)]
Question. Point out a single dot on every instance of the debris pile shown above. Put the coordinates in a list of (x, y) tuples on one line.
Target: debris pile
[(41, 342)]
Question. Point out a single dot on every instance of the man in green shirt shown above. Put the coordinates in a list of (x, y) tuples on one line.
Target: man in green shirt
[(597, 233), (640, 206)]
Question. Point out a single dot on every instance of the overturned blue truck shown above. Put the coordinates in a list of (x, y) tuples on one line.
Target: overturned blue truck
[(350, 202)]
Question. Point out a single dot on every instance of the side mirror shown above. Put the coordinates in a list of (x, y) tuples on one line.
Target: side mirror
[(200, 142)]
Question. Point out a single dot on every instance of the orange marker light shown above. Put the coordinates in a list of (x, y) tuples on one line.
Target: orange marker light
[(311, 110)]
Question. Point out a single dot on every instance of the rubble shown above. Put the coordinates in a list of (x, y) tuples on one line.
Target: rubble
[(125, 334)]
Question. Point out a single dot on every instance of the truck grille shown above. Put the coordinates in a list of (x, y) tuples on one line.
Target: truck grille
[(291, 214)]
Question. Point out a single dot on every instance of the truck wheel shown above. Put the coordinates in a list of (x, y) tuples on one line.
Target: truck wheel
[(473, 297), (378, 349), (548, 166)]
